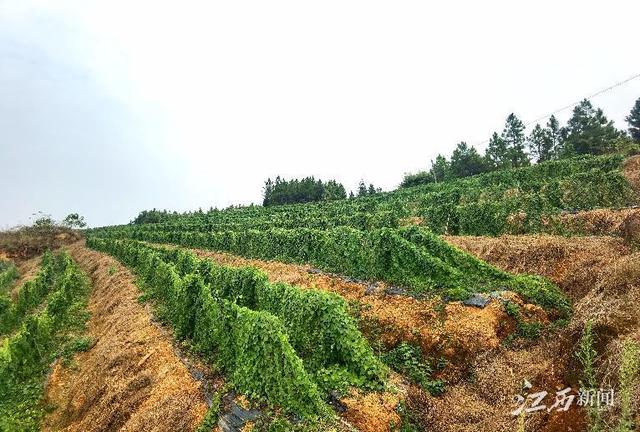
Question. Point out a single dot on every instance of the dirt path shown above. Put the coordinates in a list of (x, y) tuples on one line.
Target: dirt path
[(131, 379)]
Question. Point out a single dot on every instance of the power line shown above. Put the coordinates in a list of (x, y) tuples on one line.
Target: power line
[(598, 93), (564, 108)]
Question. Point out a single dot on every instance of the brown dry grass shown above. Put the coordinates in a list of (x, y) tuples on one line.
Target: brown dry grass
[(600, 222), (631, 170), (372, 412), (574, 263), (601, 275), (27, 242), (131, 380)]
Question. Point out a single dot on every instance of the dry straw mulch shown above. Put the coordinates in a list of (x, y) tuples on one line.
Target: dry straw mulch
[(602, 276)]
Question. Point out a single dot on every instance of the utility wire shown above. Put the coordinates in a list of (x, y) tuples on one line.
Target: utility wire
[(564, 108), (598, 93)]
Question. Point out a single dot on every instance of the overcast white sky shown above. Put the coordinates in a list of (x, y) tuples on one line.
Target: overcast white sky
[(111, 107)]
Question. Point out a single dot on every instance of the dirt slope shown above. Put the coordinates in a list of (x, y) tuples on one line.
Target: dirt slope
[(631, 171), (603, 222), (131, 380), (602, 276), (576, 264)]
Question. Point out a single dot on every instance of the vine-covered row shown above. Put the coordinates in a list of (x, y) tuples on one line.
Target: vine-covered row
[(32, 293), (518, 200), (411, 257), (26, 355), (8, 274), (277, 342)]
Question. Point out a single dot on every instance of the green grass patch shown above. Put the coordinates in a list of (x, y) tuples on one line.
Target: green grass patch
[(408, 359)]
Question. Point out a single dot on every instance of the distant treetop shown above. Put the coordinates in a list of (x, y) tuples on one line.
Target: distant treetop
[(294, 191), (634, 121), (588, 132)]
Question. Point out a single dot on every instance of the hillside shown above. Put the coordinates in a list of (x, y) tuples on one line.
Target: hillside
[(339, 316), (516, 201), (223, 216), (381, 255)]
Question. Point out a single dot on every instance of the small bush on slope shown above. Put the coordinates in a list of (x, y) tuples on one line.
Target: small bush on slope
[(8, 274)]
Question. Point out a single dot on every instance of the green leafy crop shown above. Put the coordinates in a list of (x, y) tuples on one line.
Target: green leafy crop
[(411, 257), (25, 356), (272, 339)]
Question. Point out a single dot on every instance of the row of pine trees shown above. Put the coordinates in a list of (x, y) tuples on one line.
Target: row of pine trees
[(588, 131), (308, 189)]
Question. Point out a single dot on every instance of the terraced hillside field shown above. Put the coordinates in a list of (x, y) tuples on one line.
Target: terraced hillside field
[(524, 200), (342, 316)]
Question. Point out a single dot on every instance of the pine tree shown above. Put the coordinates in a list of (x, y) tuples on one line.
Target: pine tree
[(466, 161), (536, 141), (267, 192), (496, 154), (634, 122), (332, 190), (514, 140), (440, 169), (362, 189), (339, 192), (542, 142), (589, 132), (554, 137)]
